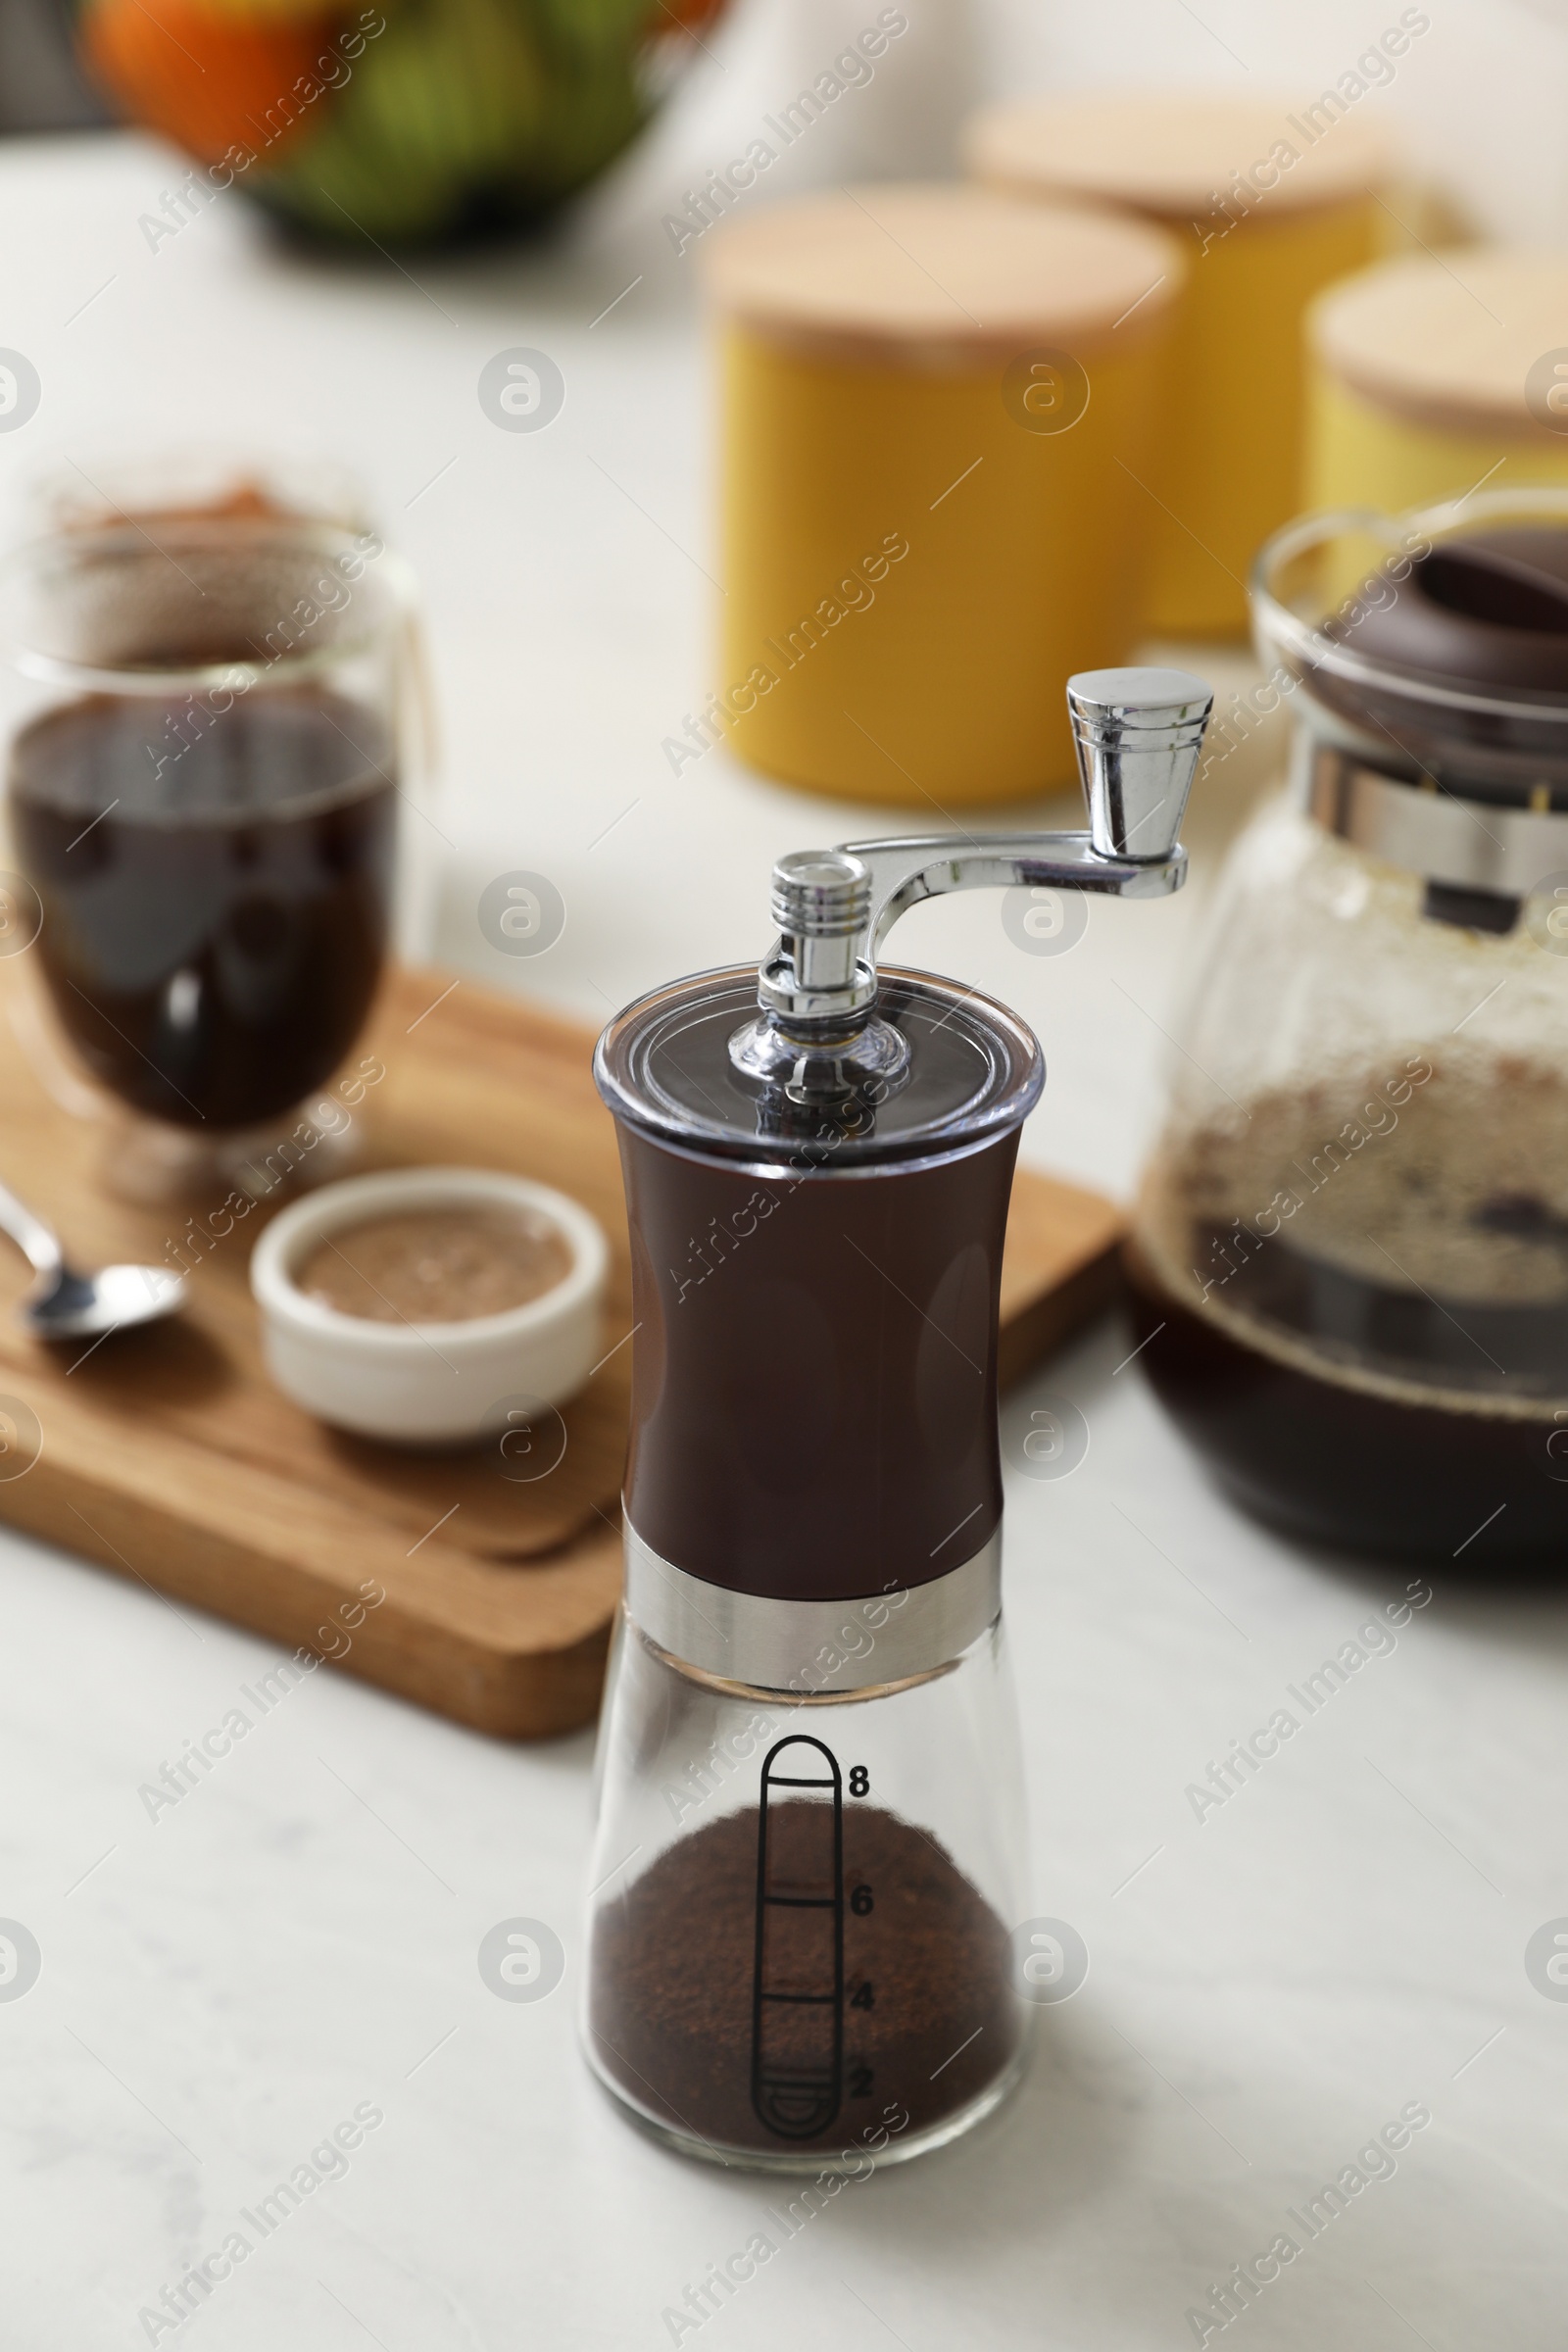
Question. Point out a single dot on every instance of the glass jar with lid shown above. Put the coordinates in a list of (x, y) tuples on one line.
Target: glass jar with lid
[(1350, 1252)]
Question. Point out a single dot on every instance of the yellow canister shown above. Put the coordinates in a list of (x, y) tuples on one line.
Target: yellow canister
[(935, 404), (1433, 377), (1272, 200)]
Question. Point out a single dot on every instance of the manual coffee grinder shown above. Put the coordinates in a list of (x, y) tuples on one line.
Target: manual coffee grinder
[(807, 1868)]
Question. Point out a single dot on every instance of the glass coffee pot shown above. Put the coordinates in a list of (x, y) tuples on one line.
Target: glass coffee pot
[(806, 1867), (1350, 1254)]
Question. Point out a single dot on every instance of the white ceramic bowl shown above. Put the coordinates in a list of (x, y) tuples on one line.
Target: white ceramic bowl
[(427, 1384)]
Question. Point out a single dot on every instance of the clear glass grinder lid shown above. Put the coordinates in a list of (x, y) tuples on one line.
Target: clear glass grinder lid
[(973, 1071)]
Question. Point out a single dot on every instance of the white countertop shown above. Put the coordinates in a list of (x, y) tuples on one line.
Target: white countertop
[(297, 1938)]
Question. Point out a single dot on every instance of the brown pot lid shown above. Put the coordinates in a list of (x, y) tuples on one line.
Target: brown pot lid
[(1485, 610), (940, 276), (1450, 341), (1172, 153)]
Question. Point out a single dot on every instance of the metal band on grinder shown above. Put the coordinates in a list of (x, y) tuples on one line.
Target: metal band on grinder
[(812, 1645)]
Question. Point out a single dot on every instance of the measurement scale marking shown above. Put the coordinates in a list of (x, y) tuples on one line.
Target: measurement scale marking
[(795, 2092)]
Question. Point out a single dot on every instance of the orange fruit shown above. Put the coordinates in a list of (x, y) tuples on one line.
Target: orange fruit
[(207, 84)]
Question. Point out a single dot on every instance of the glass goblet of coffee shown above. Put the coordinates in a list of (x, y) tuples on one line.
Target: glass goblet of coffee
[(202, 790)]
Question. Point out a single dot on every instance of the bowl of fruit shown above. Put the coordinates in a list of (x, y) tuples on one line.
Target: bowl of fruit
[(395, 122)]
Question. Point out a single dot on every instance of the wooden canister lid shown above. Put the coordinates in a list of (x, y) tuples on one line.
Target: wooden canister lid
[(942, 275), (1448, 342), (1173, 153)]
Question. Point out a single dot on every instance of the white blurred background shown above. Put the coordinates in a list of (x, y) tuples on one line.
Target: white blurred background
[(1482, 102)]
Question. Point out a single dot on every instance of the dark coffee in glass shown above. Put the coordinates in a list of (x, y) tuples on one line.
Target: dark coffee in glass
[(202, 790), (214, 929)]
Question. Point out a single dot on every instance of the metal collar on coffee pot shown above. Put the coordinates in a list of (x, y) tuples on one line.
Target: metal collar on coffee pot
[(1138, 734), (1432, 703)]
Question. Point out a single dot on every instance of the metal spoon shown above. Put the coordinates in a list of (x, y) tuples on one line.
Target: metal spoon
[(66, 1305)]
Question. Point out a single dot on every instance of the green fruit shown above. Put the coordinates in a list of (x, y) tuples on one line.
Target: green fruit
[(466, 109), (596, 28), (344, 186), (454, 82), (332, 188), (590, 119)]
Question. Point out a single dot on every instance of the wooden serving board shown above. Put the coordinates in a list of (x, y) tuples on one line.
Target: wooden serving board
[(167, 1456)]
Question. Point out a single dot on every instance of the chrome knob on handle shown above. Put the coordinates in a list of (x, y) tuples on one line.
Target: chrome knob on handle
[(1139, 735)]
